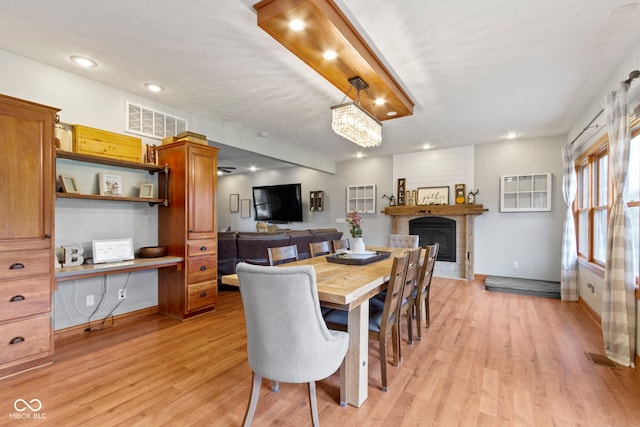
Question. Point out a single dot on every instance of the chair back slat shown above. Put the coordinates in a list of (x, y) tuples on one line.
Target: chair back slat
[(319, 249), (341, 244), (282, 254)]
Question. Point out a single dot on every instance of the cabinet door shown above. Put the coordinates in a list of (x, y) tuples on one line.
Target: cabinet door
[(26, 174), (203, 169)]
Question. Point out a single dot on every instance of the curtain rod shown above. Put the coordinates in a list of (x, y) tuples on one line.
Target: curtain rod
[(632, 76)]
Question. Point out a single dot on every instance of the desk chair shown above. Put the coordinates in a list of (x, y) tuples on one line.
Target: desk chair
[(319, 249), (404, 241), (339, 245), (287, 339), (423, 288), (382, 316), (282, 254)]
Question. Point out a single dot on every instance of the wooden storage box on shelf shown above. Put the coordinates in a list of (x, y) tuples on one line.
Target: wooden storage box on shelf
[(106, 144), (186, 137)]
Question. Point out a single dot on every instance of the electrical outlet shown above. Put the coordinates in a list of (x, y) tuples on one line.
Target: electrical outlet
[(89, 300), (122, 294), (516, 264)]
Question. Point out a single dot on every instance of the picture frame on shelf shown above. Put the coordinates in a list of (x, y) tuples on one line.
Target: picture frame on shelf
[(460, 194), (109, 184), (245, 208), (433, 196), (401, 201), (146, 191), (234, 203), (69, 184)]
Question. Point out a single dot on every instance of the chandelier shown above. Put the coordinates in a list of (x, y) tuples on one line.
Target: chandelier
[(352, 122)]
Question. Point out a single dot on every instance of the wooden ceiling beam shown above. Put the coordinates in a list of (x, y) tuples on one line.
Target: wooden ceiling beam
[(327, 28)]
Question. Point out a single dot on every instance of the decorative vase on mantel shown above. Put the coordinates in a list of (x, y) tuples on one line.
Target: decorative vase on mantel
[(358, 245)]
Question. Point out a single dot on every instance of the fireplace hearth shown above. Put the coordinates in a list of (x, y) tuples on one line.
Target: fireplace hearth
[(435, 229)]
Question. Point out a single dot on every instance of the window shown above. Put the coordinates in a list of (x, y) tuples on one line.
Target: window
[(594, 199)]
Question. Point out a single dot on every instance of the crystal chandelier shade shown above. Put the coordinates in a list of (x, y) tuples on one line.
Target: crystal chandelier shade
[(352, 122)]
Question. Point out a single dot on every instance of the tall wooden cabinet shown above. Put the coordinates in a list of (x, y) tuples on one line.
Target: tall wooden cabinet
[(26, 234), (187, 226)]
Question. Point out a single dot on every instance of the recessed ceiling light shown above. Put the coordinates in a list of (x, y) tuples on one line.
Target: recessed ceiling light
[(154, 87), (427, 146), (84, 61), (296, 25), (391, 113), (511, 135), (263, 134), (359, 155), (253, 169), (379, 101), (330, 54)]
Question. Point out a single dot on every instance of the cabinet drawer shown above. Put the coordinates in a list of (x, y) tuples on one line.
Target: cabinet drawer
[(201, 295), (24, 298), (25, 338), (202, 247), (201, 268), (19, 264)]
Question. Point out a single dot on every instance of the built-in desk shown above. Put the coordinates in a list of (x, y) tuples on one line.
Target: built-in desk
[(91, 270)]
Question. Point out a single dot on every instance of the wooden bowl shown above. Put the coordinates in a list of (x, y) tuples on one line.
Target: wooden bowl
[(152, 251)]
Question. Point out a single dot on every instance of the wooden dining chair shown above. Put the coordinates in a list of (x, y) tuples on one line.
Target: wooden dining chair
[(408, 291), (340, 245), (383, 316), (282, 254), (423, 288), (319, 249)]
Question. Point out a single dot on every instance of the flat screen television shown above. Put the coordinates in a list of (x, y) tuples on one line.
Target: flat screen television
[(278, 203)]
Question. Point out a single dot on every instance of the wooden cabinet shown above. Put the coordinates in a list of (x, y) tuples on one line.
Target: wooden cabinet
[(26, 234), (187, 226)]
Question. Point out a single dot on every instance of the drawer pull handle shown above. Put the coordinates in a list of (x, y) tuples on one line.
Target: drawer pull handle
[(17, 298), (203, 294), (190, 231), (16, 266), (203, 268), (203, 248), (16, 340), (47, 236)]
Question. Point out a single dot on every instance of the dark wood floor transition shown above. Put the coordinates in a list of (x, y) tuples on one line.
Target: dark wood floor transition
[(489, 359)]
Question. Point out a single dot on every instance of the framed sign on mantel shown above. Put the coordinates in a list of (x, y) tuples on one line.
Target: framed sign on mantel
[(433, 196)]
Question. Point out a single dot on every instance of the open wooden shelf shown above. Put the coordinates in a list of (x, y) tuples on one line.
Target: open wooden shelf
[(108, 161), (116, 198), (464, 209)]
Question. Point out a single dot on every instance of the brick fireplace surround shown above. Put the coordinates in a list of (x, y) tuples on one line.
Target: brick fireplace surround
[(462, 214)]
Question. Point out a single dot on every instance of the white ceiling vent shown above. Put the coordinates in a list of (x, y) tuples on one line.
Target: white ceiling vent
[(151, 123)]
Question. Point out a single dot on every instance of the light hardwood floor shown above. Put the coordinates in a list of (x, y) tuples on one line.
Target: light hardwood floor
[(489, 359)]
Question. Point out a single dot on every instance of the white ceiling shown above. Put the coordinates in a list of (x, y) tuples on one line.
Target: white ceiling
[(475, 69)]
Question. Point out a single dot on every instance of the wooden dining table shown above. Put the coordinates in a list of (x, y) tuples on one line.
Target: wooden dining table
[(349, 287)]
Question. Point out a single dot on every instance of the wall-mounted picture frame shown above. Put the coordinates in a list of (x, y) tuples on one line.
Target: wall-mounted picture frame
[(245, 208), (234, 203), (110, 185), (146, 191), (69, 184), (433, 196)]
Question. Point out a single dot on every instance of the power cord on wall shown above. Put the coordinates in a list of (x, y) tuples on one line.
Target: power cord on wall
[(102, 327)]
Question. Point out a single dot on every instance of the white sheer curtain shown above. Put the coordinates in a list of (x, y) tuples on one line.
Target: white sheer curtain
[(618, 301), (569, 276)]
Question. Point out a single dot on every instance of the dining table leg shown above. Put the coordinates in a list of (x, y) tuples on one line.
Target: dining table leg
[(357, 364)]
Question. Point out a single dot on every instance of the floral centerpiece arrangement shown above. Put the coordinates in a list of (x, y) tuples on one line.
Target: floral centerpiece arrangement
[(355, 223)]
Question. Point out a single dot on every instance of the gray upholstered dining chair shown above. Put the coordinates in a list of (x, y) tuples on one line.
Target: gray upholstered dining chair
[(287, 338), (404, 241)]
